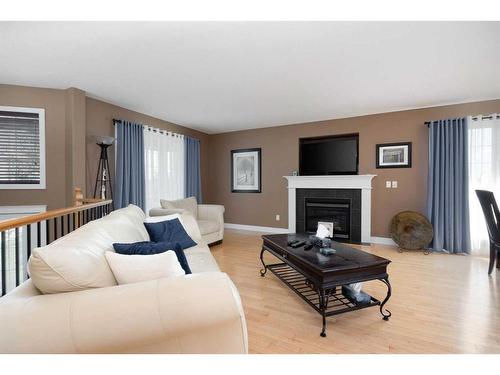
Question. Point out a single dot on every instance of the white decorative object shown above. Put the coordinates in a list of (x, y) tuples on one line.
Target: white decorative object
[(129, 269), (328, 226), (362, 182), (322, 231)]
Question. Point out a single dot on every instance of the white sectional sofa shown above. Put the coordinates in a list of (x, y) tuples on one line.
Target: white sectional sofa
[(72, 304)]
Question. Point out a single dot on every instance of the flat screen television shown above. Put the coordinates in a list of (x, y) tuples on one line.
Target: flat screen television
[(332, 155)]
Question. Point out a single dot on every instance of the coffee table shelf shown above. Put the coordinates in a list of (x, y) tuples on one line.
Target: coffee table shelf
[(336, 302)]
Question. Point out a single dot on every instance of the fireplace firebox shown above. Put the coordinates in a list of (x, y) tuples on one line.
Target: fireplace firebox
[(342, 207), (336, 211)]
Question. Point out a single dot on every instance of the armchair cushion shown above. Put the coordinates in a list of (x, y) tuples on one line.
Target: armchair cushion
[(151, 248), (190, 204), (208, 226)]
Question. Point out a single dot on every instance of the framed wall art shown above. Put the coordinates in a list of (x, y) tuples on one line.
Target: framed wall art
[(246, 170), (394, 155)]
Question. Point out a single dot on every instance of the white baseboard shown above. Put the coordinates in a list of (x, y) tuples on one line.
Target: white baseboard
[(255, 228), (383, 241)]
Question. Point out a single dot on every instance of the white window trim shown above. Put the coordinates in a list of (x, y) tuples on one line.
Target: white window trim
[(41, 129)]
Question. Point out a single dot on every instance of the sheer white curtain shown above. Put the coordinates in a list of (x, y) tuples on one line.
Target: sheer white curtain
[(484, 173), (164, 166)]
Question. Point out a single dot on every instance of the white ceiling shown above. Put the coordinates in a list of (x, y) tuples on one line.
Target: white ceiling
[(225, 76)]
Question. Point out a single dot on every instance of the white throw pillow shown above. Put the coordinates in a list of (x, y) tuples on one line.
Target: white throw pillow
[(130, 269), (76, 261)]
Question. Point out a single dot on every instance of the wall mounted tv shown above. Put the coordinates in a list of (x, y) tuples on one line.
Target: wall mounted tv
[(331, 155)]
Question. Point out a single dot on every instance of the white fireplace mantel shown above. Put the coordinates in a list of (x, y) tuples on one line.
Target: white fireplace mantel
[(362, 182)]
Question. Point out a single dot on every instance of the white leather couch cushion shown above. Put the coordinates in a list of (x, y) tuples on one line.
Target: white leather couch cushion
[(200, 259), (208, 226), (190, 204), (76, 261), (129, 269)]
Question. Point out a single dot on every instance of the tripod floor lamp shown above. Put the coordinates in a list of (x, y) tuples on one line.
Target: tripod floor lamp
[(103, 187)]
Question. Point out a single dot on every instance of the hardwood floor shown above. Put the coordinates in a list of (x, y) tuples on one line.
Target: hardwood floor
[(440, 304)]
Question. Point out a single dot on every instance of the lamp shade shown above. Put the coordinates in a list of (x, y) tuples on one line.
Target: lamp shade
[(104, 139)]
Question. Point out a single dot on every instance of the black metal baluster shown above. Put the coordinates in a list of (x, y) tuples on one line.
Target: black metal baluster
[(74, 220), (67, 223), (55, 228), (28, 240), (62, 225), (28, 243), (16, 231), (3, 270), (38, 234), (47, 232)]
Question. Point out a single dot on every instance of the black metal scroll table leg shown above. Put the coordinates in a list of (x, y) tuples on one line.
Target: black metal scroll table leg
[(263, 270), (323, 305), (386, 315)]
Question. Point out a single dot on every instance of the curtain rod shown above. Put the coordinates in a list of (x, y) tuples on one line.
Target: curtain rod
[(156, 130), (475, 118)]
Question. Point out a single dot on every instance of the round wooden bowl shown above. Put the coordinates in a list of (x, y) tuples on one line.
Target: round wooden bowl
[(411, 230)]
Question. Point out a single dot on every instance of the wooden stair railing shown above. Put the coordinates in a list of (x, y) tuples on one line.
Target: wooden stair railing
[(20, 235)]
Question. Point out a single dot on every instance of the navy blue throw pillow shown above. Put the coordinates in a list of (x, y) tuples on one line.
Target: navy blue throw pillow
[(169, 231), (149, 248)]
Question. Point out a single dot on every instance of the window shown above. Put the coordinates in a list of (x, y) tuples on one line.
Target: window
[(22, 148), (484, 173), (164, 159)]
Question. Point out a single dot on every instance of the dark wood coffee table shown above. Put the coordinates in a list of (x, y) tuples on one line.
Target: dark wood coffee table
[(318, 278)]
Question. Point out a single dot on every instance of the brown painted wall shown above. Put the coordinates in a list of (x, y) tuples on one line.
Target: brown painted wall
[(55, 134), (280, 157), (99, 117), (71, 119)]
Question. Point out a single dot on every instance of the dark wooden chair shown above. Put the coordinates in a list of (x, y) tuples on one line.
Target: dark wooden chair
[(492, 216)]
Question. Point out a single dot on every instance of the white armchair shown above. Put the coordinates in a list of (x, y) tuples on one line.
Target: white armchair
[(210, 217)]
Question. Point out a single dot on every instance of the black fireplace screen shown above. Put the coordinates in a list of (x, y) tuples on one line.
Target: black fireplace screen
[(336, 211)]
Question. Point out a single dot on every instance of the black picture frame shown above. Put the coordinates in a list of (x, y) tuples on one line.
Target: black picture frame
[(380, 165), (258, 189)]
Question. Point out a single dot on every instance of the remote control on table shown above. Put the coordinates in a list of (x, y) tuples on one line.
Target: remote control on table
[(308, 246), (290, 243), (298, 244)]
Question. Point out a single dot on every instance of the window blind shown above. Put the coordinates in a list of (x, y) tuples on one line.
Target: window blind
[(19, 148)]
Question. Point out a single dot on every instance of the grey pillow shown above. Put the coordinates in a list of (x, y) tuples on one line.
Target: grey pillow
[(189, 204)]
